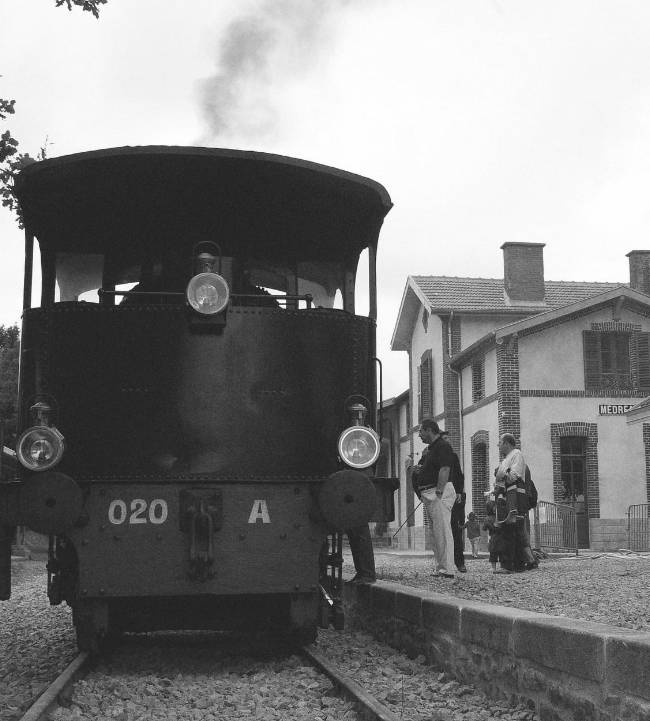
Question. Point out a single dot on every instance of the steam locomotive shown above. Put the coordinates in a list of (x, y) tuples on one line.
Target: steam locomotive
[(198, 397)]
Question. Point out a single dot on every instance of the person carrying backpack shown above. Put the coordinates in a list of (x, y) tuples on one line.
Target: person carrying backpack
[(531, 497)]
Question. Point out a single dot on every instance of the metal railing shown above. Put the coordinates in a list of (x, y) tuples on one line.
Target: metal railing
[(554, 527), (638, 527)]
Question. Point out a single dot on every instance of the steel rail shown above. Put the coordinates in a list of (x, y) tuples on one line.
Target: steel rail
[(367, 705), (371, 708), (48, 698)]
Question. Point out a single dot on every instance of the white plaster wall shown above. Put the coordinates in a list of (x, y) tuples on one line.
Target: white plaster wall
[(621, 453), (466, 386), (553, 358), (474, 328), (621, 466)]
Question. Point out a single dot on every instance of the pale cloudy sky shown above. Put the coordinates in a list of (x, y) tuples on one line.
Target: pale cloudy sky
[(487, 120)]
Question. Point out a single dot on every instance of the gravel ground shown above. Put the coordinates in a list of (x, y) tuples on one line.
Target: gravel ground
[(202, 677), (609, 588), (410, 688), (37, 641), (194, 679)]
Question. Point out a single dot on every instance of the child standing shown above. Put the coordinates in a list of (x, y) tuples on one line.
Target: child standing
[(473, 527), (494, 531)]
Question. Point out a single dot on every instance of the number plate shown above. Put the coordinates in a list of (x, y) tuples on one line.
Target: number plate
[(137, 511)]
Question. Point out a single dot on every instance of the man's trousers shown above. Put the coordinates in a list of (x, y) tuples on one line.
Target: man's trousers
[(439, 510)]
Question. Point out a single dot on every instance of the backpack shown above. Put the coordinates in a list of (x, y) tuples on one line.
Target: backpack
[(531, 491)]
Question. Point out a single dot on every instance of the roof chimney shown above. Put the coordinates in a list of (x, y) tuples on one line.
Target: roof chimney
[(523, 277), (640, 270)]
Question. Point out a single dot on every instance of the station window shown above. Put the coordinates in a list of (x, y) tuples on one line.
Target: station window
[(573, 459), (478, 380), (617, 360)]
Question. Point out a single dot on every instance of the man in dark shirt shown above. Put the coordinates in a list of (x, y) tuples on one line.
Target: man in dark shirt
[(431, 483), (458, 513)]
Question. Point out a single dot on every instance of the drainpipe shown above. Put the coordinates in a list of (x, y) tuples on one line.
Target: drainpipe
[(460, 396)]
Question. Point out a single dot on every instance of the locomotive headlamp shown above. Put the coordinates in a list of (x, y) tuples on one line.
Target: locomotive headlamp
[(208, 293), (359, 445), (40, 448), (358, 413)]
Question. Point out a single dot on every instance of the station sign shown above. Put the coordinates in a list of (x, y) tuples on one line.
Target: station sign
[(617, 409)]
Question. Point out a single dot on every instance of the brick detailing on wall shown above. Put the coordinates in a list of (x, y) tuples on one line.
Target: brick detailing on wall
[(583, 430), (568, 393), (640, 270), (480, 450), (646, 444), (616, 325), (451, 395), (484, 402), (508, 387), (608, 534), (523, 271)]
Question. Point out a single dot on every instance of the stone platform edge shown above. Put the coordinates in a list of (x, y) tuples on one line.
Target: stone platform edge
[(566, 669)]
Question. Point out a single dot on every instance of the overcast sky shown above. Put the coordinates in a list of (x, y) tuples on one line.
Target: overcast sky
[(486, 120)]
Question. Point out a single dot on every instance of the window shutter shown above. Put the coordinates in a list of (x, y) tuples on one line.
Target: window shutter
[(642, 344), (591, 344), (426, 385)]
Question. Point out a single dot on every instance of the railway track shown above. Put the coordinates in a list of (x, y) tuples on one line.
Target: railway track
[(61, 693)]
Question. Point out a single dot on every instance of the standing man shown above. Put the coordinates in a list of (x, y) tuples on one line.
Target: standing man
[(510, 476), (458, 513), (363, 555), (432, 485)]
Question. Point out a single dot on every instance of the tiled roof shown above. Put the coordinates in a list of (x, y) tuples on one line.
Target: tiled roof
[(487, 294)]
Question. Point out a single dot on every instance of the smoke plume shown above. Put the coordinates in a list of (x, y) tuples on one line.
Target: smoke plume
[(259, 52)]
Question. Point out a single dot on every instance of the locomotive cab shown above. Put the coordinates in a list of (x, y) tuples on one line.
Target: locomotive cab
[(185, 378)]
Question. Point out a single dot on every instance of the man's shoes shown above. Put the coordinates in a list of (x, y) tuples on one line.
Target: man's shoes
[(532, 566), (439, 574), (502, 570), (462, 569), (362, 579)]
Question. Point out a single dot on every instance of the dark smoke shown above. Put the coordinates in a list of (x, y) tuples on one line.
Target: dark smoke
[(280, 41)]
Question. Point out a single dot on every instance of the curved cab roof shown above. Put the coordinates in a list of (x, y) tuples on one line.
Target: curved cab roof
[(257, 203)]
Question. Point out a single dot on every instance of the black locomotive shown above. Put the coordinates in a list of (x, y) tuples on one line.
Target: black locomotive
[(197, 395)]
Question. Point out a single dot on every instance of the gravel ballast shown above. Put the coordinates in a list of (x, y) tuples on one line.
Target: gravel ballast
[(610, 588), (38, 642), (190, 678), (202, 677)]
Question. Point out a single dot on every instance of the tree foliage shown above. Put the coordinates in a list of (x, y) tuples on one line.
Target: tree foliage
[(89, 5), (9, 349), (11, 161)]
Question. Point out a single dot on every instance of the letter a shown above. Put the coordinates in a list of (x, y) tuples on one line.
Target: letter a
[(259, 511)]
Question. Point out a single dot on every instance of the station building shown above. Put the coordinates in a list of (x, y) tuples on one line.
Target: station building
[(564, 366)]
